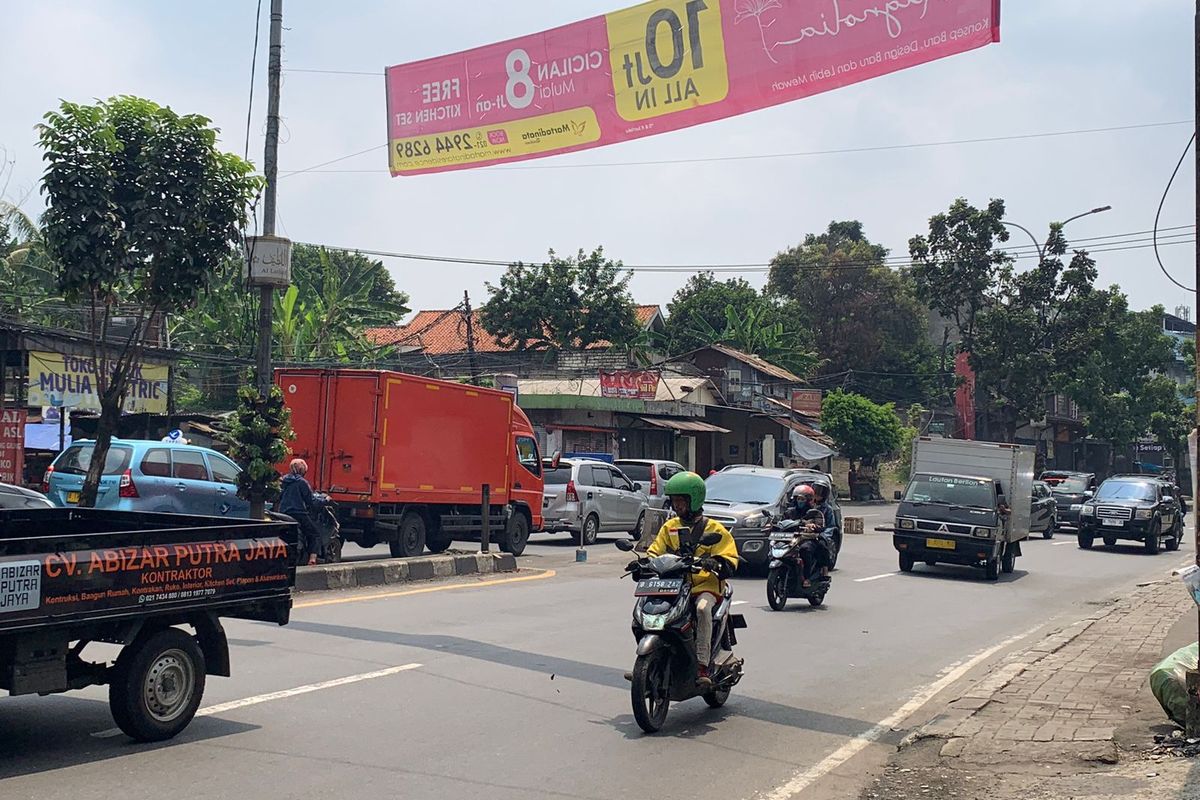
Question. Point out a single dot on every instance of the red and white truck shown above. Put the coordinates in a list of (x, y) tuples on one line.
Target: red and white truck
[(406, 458)]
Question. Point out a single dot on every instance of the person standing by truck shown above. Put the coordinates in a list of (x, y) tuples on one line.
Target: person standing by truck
[(296, 500)]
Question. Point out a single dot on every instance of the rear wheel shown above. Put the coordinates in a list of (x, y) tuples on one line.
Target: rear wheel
[(1174, 542), (438, 542), (907, 562), (410, 538), (815, 600), (157, 685), (777, 593), (650, 691), (1085, 541), (516, 534), (1049, 532), (1153, 537), (591, 530)]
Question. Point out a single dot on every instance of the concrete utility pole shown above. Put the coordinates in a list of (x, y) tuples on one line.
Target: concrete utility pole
[(1193, 676), (271, 172)]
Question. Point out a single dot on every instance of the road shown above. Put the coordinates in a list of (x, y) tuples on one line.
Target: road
[(514, 688)]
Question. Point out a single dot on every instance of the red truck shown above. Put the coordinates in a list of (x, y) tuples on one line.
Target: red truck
[(406, 458)]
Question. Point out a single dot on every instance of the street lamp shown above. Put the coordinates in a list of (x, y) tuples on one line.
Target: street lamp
[(1041, 248)]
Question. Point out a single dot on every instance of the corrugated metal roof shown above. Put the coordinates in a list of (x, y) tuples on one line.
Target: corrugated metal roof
[(688, 425), (759, 363)]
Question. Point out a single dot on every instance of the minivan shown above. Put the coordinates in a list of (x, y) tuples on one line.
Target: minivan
[(587, 498)]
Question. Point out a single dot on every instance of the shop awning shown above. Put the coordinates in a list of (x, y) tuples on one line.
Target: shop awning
[(804, 444), (684, 425)]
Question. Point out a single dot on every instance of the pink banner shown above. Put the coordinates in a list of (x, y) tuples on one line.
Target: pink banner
[(12, 446), (629, 384), (658, 67), (964, 396)]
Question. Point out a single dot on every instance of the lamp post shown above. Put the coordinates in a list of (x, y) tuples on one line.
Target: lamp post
[(1041, 247)]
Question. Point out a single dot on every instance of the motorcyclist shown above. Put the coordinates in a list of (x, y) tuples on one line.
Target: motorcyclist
[(296, 500), (683, 532), (816, 515)]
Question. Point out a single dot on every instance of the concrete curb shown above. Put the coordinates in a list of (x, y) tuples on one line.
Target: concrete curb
[(360, 574)]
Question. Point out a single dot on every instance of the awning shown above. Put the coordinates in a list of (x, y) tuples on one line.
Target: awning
[(804, 446), (685, 425), (554, 426)]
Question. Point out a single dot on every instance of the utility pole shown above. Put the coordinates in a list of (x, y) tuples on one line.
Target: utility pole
[(1193, 676), (271, 172), (469, 316)]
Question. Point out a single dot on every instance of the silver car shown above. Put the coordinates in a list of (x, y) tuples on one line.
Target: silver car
[(587, 498), (651, 476)]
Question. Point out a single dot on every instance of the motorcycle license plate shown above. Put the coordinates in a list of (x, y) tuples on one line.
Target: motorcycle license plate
[(650, 586), (72, 497), (1113, 523), (940, 544)]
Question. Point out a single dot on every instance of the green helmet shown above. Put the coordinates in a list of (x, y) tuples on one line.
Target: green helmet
[(689, 484)]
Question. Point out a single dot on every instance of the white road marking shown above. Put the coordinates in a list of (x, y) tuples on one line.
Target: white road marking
[(877, 577), (740, 602), (802, 780), (221, 708), (1063, 544)]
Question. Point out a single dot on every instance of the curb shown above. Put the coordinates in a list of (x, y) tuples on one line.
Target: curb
[(359, 574)]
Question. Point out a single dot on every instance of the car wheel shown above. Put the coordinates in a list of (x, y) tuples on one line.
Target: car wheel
[(157, 685), (1008, 562), (1110, 541), (591, 530), (636, 533), (1085, 541), (1153, 538), (907, 562), (1049, 532), (992, 570)]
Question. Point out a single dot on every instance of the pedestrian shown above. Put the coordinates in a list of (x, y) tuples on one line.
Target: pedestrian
[(296, 500)]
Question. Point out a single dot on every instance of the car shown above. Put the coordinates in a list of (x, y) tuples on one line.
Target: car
[(651, 476), (747, 500), (1071, 490), (20, 497), (585, 497), (154, 476), (1043, 514), (1135, 508)]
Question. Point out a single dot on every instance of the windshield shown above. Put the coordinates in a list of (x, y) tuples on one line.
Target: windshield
[(744, 487), (558, 477), (1066, 484), (950, 490), (77, 458), (636, 472), (1125, 490)]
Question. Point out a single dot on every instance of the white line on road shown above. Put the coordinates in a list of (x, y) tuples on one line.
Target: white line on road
[(221, 708), (1063, 544), (802, 780), (877, 577), (740, 602)]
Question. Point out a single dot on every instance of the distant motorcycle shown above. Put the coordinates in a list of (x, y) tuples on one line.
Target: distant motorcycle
[(664, 626), (785, 576), (325, 518)]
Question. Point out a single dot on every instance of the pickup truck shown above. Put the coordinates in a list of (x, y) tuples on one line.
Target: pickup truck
[(157, 585)]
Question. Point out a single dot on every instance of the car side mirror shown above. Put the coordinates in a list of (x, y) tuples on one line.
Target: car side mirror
[(709, 539), (625, 545), (898, 495)]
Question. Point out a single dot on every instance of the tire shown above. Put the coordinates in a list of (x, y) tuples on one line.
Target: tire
[(907, 562), (438, 542), (992, 570), (1174, 542), (333, 554), (816, 600), (717, 697), (591, 530), (777, 590), (636, 533), (650, 691), (837, 551), (410, 539), (1008, 562), (157, 685), (1085, 541), (1153, 538), (516, 534), (1049, 532)]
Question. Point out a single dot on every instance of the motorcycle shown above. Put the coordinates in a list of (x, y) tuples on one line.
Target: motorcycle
[(325, 518), (665, 630), (785, 576)]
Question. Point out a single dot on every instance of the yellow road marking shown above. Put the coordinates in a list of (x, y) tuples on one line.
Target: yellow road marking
[(541, 575)]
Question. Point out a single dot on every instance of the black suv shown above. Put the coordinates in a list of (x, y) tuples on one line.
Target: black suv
[(1140, 508), (1071, 490)]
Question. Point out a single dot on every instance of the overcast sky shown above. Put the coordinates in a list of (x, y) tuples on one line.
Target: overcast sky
[(1061, 65)]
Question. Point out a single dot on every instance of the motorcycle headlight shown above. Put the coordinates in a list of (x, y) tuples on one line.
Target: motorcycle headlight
[(1087, 511), (908, 524), (1145, 513)]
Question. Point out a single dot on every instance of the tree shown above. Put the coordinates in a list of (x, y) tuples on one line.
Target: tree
[(563, 304), (760, 329), (258, 436), (865, 318), (28, 279), (862, 430), (702, 304), (142, 212), (345, 274)]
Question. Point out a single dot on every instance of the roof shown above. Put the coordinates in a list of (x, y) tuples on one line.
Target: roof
[(1176, 324), (670, 389), (687, 425), (759, 363), (444, 332)]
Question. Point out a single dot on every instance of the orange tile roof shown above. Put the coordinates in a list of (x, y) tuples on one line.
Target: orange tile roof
[(442, 332)]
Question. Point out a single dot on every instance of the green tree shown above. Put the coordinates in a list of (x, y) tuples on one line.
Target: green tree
[(701, 305), (864, 317), (28, 278), (142, 211), (258, 437), (361, 284), (863, 430), (563, 304), (760, 329)]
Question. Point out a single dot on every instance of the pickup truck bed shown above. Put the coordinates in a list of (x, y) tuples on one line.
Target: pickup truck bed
[(69, 577)]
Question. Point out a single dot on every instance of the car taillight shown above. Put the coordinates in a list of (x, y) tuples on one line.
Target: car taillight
[(127, 487), (572, 495), (653, 481), (46, 479)]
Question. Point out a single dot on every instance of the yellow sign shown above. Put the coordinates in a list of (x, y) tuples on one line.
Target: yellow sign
[(667, 57), (56, 380)]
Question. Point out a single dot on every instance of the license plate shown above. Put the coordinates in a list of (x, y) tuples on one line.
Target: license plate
[(659, 586), (940, 544), (1113, 523), (72, 497)]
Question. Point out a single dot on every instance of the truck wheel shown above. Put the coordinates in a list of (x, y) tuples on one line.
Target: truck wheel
[(516, 534), (1153, 538), (438, 542), (1085, 541), (907, 562), (410, 539), (1008, 562), (157, 685), (992, 570), (591, 530)]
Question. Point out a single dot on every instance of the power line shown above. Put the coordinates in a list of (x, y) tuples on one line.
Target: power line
[(253, 70), (1158, 215), (317, 168), (335, 72)]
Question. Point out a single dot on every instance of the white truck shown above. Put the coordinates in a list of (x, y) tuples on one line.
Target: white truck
[(967, 503)]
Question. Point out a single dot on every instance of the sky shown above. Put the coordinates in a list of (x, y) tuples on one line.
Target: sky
[(1062, 65)]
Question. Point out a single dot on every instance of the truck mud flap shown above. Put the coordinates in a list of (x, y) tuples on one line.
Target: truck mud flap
[(737, 621)]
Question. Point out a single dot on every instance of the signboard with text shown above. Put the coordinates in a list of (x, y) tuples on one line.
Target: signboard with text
[(807, 402), (629, 384), (58, 380), (12, 446), (658, 67)]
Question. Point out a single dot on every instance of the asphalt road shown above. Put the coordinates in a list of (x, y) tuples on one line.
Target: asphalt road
[(514, 689)]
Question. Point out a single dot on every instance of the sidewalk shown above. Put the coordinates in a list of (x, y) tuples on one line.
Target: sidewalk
[(1069, 717)]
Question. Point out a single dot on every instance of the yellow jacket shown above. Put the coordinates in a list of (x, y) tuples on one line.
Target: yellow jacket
[(667, 541)]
